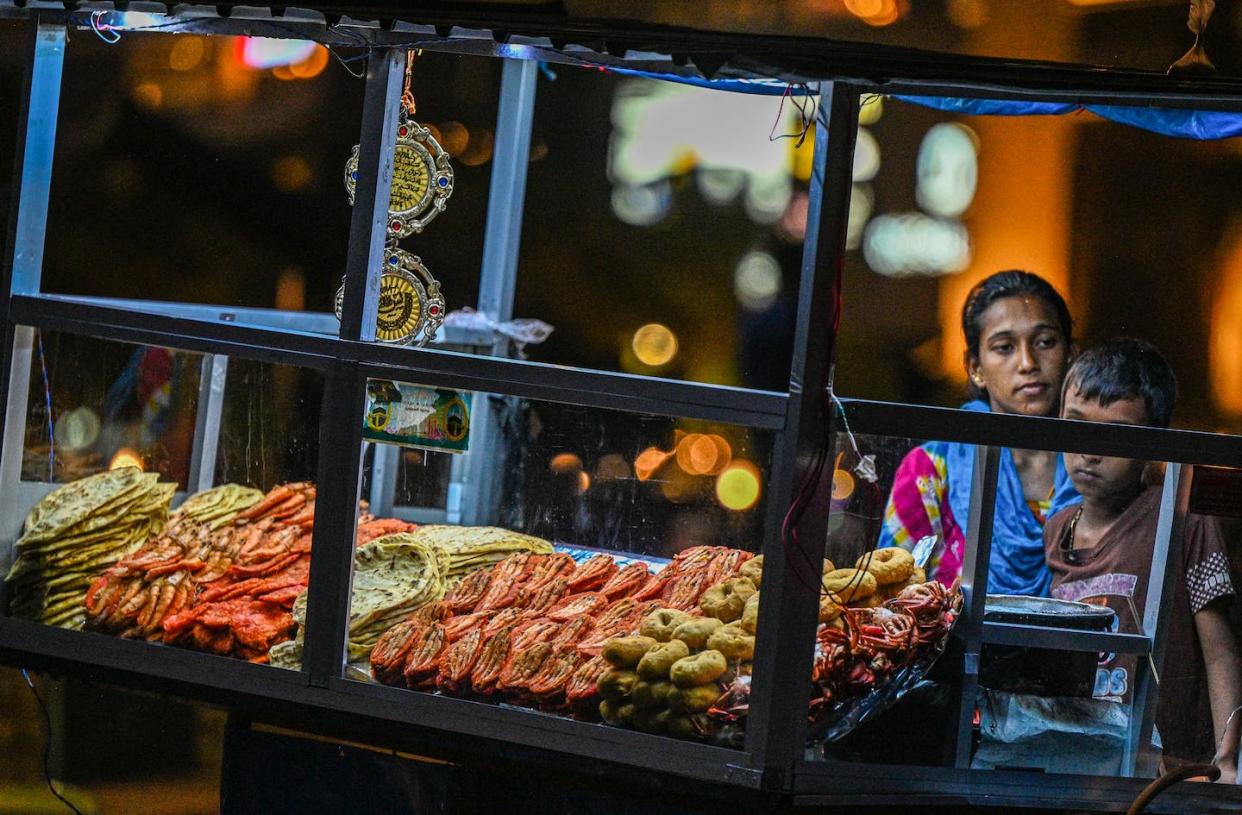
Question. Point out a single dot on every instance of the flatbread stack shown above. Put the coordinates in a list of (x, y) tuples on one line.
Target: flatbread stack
[(397, 574), (78, 531), (218, 506), (393, 576), (465, 549)]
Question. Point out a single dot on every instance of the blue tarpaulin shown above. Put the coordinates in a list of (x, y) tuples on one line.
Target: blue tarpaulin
[(1203, 125)]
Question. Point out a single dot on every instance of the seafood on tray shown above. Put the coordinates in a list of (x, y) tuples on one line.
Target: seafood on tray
[(534, 629)]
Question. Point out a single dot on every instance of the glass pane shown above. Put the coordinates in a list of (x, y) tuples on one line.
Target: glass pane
[(682, 210), (1081, 202), (216, 166), (125, 531), (1086, 554), (571, 533)]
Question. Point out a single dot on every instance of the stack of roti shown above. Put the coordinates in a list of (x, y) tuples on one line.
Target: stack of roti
[(393, 576), (78, 531), (397, 574), (465, 549), (218, 506)]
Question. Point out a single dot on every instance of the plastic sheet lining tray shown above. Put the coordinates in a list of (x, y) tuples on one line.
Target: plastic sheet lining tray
[(1040, 671)]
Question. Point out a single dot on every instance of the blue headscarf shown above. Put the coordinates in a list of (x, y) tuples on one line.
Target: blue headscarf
[(1017, 565)]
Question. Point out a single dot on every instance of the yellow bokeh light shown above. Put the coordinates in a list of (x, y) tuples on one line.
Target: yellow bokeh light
[(312, 66), (584, 482), (870, 108), (292, 174), (875, 12), (453, 138), (149, 95), (842, 485), (565, 463), (125, 457), (654, 345), (864, 8), (738, 487), (186, 54)]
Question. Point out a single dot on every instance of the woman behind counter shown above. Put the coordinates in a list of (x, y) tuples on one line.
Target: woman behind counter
[(1018, 347)]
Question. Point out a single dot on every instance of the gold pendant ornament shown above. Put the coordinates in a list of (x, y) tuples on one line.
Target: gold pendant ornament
[(422, 179), (411, 307)]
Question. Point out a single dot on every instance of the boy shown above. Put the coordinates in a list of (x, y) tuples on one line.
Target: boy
[(1100, 552)]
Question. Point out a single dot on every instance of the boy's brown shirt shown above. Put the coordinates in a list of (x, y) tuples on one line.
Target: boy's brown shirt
[(1114, 573)]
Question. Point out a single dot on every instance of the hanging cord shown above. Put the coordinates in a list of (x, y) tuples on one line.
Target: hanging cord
[(47, 401), (812, 478), (407, 94), (47, 744), (1208, 771), (1167, 780), (807, 105), (105, 32)]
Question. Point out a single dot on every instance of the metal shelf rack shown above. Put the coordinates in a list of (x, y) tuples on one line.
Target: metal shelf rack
[(770, 761)]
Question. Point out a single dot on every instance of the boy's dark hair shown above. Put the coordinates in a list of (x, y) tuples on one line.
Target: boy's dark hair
[(1009, 283), (1126, 368)]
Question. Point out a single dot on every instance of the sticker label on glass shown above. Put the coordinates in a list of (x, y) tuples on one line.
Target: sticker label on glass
[(417, 416)]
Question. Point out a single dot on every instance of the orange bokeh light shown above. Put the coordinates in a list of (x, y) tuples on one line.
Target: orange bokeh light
[(649, 461), (565, 463), (125, 457)]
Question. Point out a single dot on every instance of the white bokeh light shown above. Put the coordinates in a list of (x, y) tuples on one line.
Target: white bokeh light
[(915, 244), (947, 170), (757, 280)]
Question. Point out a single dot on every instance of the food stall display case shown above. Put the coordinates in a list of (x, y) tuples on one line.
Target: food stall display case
[(326, 370)]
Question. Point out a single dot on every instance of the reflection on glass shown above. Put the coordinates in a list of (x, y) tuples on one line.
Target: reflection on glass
[(115, 523), (1067, 709), (601, 568)]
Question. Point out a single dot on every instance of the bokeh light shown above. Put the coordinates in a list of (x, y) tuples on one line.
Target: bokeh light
[(262, 53), (757, 281), (187, 53), (913, 243), (565, 463), (642, 206), (479, 148), (149, 95), (862, 200), (866, 156), (947, 170), (454, 137), (612, 467), (870, 108), (125, 457), (312, 66), (877, 12), (968, 14), (738, 487), (649, 461), (654, 345), (698, 454), (292, 174), (842, 485)]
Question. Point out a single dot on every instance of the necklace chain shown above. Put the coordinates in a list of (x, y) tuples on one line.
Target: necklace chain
[(1073, 528)]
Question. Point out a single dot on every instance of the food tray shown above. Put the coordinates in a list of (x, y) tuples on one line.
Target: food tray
[(1046, 611)]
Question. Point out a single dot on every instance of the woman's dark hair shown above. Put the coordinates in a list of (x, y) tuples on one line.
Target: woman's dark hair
[(1126, 368), (1009, 283)]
